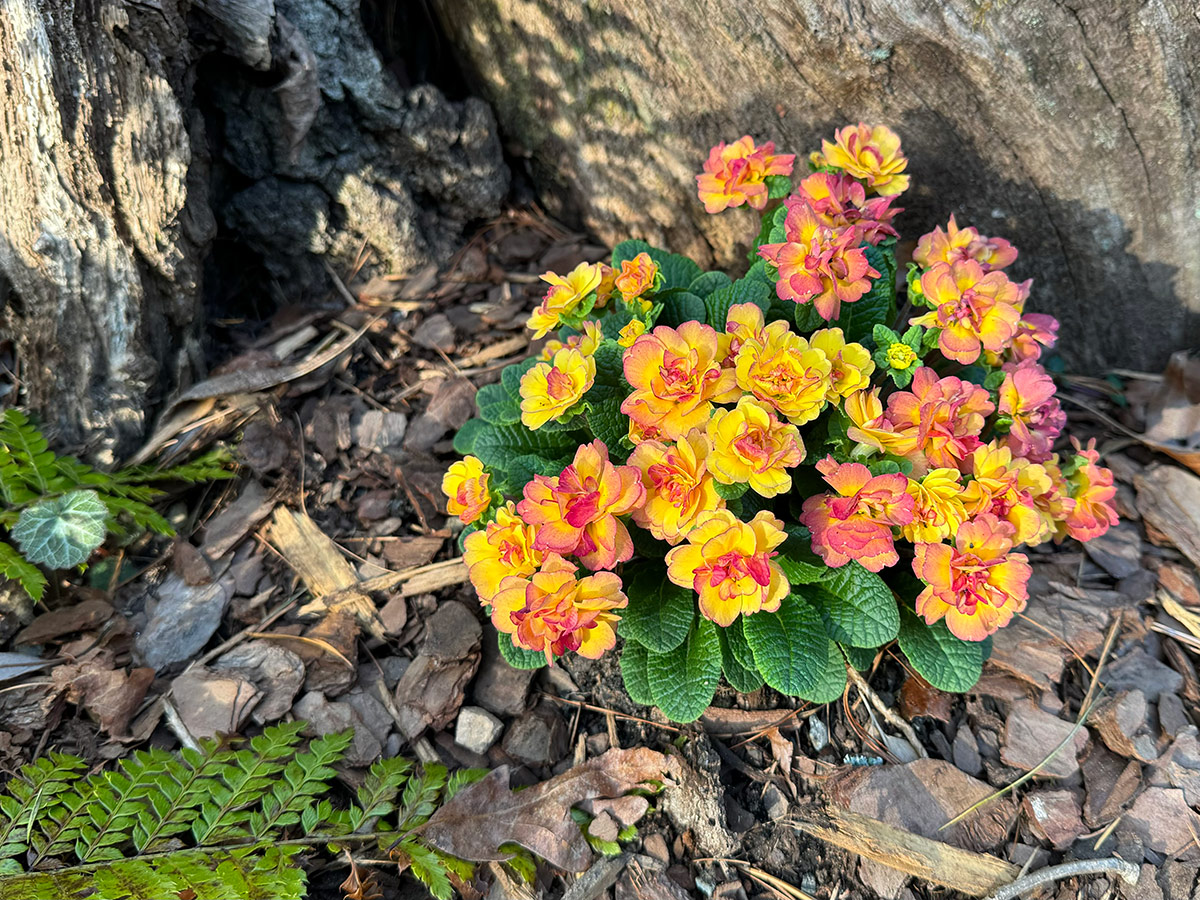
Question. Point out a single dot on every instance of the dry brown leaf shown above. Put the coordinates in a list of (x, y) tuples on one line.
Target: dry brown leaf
[(485, 815), (360, 884), (919, 698), (111, 696)]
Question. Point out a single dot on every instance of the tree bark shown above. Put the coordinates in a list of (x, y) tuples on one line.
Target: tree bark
[(1070, 129)]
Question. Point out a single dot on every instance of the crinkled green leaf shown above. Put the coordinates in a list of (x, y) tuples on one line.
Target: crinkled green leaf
[(519, 657), (790, 646), (497, 406), (610, 425), (943, 660), (63, 531), (737, 659), (610, 364), (634, 659), (858, 607), (681, 306), (797, 559), (745, 290), (778, 186), (660, 613), (684, 680), (708, 282), (730, 491)]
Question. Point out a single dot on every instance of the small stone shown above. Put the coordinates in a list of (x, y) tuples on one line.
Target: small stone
[(1121, 722), (1110, 781), (274, 670), (730, 890), (774, 803), (1137, 669), (379, 431), (655, 845), (597, 743), (451, 633), (499, 687), (227, 528), (322, 716), (1054, 816), (1179, 767), (604, 827), (477, 729), (966, 752), (1030, 734), (538, 738), (1165, 823), (1172, 716), (373, 713), (394, 615), (1118, 551), (818, 734), (435, 333), (740, 819), (182, 623), (1147, 887)]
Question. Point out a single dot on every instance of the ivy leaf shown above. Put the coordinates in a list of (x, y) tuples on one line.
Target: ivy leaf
[(634, 659), (790, 646), (518, 657), (63, 531), (660, 613), (683, 681), (943, 660), (858, 607), (744, 290), (737, 659)]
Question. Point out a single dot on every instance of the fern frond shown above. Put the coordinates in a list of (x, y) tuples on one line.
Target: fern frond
[(247, 778), (427, 866), (186, 783), (36, 790), (27, 449), (264, 871), (141, 515), (377, 795), (117, 801), (211, 466), (420, 797), (306, 776), (14, 565), (460, 779)]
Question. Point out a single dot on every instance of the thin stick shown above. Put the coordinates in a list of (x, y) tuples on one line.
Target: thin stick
[(601, 709), (887, 712), (1128, 872), (175, 723), (766, 878)]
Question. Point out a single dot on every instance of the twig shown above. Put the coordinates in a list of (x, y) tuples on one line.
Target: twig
[(175, 723), (763, 877), (1128, 871), (889, 714), (614, 713)]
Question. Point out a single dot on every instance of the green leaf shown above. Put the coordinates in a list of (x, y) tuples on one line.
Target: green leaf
[(832, 682), (858, 607), (497, 406), (519, 657), (943, 660), (634, 658), (859, 657), (797, 559), (610, 425), (628, 250), (14, 565), (730, 491), (745, 290), (778, 230), (464, 440), (708, 282), (681, 306), (778, 186), (683, 681), (659, 615), (610, 364), (790, 646), (63, 531), (807, 318), (734, 649)]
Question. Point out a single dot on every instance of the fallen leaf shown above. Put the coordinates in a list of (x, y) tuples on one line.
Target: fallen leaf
[(68, 620), (920, 698), (1173, 413), (485, 815), (111, 696)]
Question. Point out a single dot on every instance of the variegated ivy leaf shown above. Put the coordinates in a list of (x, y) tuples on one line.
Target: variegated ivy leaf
[(63, 531)]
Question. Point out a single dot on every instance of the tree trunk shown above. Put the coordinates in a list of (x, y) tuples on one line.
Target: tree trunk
[(1071, 130), (130, 128)]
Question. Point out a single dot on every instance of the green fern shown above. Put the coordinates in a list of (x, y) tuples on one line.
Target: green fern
[(58, 510), (218, 822)]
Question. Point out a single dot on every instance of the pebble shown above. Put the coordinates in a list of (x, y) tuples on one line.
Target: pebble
[(774, 803), (477, 729)]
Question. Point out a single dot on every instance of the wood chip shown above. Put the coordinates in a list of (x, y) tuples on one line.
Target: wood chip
[(1168, 498)]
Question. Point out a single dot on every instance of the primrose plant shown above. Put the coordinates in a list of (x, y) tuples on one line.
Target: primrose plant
[(771, 477)]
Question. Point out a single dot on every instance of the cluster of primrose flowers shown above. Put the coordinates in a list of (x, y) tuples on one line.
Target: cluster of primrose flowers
[(935, 442)]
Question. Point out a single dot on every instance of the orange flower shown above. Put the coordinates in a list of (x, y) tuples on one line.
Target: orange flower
[(818, 263), (575, 513), (730, 565), (549, 390), (868, 153), (1035, 331), (751, 446), (553, 612), (935, 424), (1027, 397), (638, 276), (1093, 490), (678, 485), (977, 584), (465, 485), (736, 173), (956, 244), (975, 311), (504, 548), (566, 297), (1005, 487), (840, 201), (676, 377), (780, 368), (857, 522)]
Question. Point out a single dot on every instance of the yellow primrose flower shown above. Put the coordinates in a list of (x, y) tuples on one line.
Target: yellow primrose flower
[(938, 507), (549, 389), (631, 333), (505, 548), (780, 368), (852, 363), (564, 296), (678, 485), (900, 355), (751, 446), (465, 485)]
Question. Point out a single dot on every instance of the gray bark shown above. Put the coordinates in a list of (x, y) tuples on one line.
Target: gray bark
[(1069, 128)]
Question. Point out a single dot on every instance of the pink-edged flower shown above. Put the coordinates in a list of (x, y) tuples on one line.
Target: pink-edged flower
[(818, 263), (977, 585), (870, 153), (975, 310), (575, 513), (857, 522), (1027, 397), (955, 244), (839, 201), (736, 173), (1034, 331), (1093, 490)]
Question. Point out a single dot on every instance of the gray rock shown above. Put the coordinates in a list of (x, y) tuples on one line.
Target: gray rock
[(182, 623), (1118, 551), (274, 670), (537, 738), (499, 687), (477, 729), (374, 714), (322, 716), (451, 633), (774, 803), (1172, 717), (1137, 669), (210, 701), (380, 431), (966, 752)]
